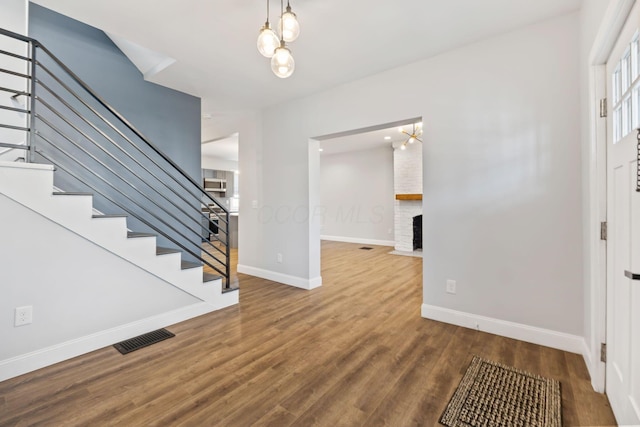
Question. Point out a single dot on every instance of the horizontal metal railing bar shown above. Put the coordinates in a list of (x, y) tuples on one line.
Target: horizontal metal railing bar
[(18, 36), (202, 192), (15, 127), (217, 248), (112, 126), (108, 153), (126, 123), (106, 121), (16, 92), (16, 146), (104, 165), (15, 73), (14, 55), (144, 221), (19, 110), (104, 135)]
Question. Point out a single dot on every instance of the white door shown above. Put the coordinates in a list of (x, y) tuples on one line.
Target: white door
[(623, 216)]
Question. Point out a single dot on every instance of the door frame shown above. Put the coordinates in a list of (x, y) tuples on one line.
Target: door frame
[(596, 187)]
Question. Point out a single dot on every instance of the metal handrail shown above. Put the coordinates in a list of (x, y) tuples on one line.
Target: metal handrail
[(14, 146), (15, 55), (107, 122), (111, 110), (16, 92), (110, 169), (121, 206), (195, 190), (18, 110), (103, 134)]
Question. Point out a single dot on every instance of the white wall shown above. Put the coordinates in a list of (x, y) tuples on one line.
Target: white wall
[(83, 297), (356, 195), (14, 17), (502, 173), (407, 169), (216, 163)]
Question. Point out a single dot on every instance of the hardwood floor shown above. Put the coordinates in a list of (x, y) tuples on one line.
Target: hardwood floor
[(354, 352)]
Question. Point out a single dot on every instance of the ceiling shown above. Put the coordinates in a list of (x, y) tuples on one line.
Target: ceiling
[(225, 148), (213, 42), (364, 141), (208, 48)]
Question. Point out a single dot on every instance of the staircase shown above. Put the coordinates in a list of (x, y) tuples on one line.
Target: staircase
[(31, 186), (101, 181)]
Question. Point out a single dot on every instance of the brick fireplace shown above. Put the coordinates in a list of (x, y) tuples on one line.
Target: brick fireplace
[(407, 174)]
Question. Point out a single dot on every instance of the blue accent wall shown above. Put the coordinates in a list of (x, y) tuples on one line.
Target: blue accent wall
[(170, 119)]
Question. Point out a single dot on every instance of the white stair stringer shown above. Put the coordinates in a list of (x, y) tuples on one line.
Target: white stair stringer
[(31, 185)]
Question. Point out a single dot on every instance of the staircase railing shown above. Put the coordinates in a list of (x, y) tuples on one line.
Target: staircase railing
[(93, 147)]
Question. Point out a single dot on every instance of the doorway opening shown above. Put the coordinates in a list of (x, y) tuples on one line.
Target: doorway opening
[(370, 188), (220, 177)]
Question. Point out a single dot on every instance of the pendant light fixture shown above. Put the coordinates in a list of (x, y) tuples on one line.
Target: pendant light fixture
[(413, 136), (282, 63), (269, 45), (289, 25), (267, 39)]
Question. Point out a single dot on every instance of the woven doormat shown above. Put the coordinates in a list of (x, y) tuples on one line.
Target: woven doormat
[(495, 395)]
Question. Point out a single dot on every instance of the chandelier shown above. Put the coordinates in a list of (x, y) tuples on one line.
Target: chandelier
[(275, 47), (412, 136)]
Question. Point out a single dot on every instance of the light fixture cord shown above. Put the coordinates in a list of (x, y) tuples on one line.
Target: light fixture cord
[(281, 21), (267, 11)]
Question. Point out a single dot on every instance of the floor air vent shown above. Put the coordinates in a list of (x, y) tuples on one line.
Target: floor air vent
[(366, 248), (141, 341)]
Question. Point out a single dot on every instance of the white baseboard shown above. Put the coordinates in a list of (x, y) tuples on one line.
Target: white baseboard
[(29, 362), (286, 279), (518, 331), (595, 367), (588, 360), (359, 240)]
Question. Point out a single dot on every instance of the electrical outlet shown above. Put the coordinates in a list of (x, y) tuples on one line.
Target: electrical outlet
[(24, 315), (279, 257), (254, 204), (451, 286)]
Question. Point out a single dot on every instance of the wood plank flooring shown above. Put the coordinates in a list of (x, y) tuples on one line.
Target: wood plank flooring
[(354, 352)]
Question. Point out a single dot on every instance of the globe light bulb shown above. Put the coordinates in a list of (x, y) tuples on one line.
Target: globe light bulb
[(282, 63), (267, 41), (411, 140), (403, 147), (289, 25)]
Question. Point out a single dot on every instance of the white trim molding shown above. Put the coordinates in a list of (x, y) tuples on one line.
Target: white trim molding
[(611, 25), (613, 21), (518, 331), (29, 362), (359, 240), (285, 279), (593, 368)]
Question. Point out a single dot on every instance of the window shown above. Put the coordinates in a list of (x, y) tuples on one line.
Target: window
[(625, 85)]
